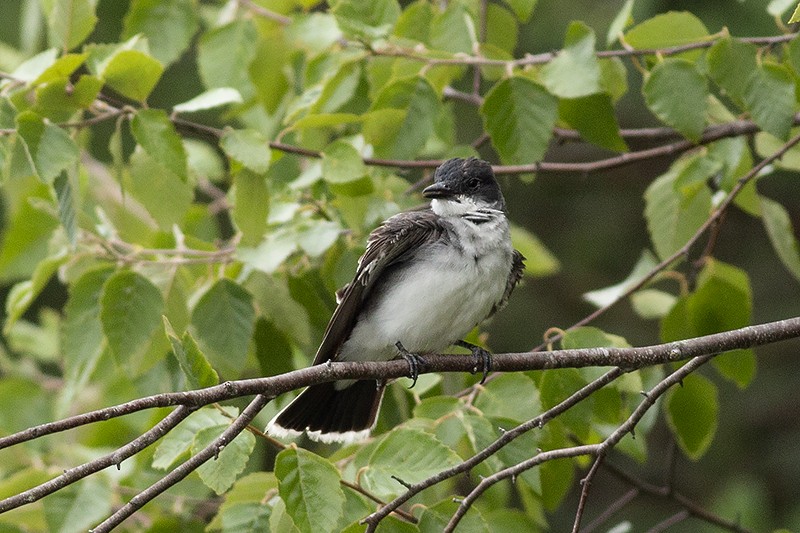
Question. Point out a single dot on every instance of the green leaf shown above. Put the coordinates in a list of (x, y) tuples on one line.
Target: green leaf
[(539, 261), (674, 216), (269, 73), (57, 97), (777, 8), (209, 100), (251, 196), (169, 26), (50, 148), (366, 20), (154, 131), (274, 301), (731, 64), (501, 28), (82, 338), (722, 301), (607, 295), (452, 30), (692, 411), (769, 97), (558, 384), (61, 68), (244, 509), (795, 15), (222, 322), (781, 234), (338, 89), (309, 486), (622, 20), (593, 116), (402, 118), (224, 54), (435, 518), (220, 473), (410, 454), (678, 77), (668, 29), (519, 116), (69, 22), (179, 441), (166, 195), (575, 71), (194, 364), (24, 293), (341, 163), (66, 206), (248, 148), (130, 311), (522, 8), (510, 396), (132, 74), (652, 303), (79, 507)]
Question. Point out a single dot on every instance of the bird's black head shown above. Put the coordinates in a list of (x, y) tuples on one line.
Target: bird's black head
[(471, 177)]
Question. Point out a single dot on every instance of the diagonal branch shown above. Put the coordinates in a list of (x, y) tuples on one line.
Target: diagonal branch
[(596, 450)]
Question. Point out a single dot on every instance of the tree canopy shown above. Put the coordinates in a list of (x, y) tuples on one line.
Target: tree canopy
[(186, 183)]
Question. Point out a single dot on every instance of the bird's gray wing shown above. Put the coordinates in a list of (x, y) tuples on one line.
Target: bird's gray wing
[(517, 269), (388, 245)]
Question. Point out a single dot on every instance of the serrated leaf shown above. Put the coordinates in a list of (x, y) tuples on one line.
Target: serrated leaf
[(692, 411), (452, 30), (220, 473), (781, 234), (132, 74), (61, 68), (510, 396), (519, 116), (57, 98), (574, 72), (130, 311), (366, 20), (22, 294), (769, 97), (274, 301), (670, 78), (179, 441), (70, 22), (247, 147), (209, 100), (50, 148), (251, 196), (223, 322), (169, 26), (435, 518), (402, 118), (154, 131), (194, 364), (410, 454), (309, 486), (593, 117)]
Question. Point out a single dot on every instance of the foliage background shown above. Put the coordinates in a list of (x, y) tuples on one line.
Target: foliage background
[(592, 224)]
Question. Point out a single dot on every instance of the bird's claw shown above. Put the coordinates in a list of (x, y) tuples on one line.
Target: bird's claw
[(483, 358), (414, 361)]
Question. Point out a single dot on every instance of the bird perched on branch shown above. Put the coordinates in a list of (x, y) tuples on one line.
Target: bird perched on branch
[(426, 279)]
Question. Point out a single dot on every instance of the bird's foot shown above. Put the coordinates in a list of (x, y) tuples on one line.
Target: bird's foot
[(483, 359), (414, 361)]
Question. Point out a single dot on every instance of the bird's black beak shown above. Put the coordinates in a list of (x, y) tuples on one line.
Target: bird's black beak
[(438, 190)]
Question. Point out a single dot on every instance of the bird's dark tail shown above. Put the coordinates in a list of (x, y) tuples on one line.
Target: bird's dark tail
[(331, 415)]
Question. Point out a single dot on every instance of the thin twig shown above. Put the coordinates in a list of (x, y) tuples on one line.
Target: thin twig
[(586, 483), (609, 511), (595, 450), (209, 452)]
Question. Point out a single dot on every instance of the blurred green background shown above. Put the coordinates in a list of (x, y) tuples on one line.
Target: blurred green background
[(594, 225)]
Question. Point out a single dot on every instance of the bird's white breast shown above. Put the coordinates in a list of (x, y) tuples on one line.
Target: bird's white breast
[(439, 297)]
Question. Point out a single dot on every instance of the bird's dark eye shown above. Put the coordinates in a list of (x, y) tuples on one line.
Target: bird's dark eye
[(474, 183)]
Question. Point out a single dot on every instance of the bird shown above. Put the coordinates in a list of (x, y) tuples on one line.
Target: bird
[(426, 279)]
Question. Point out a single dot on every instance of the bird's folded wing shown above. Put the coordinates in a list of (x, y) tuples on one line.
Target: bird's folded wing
[(389, 245)]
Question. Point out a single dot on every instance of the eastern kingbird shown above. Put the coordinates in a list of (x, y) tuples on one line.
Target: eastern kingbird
[(426, 279)]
